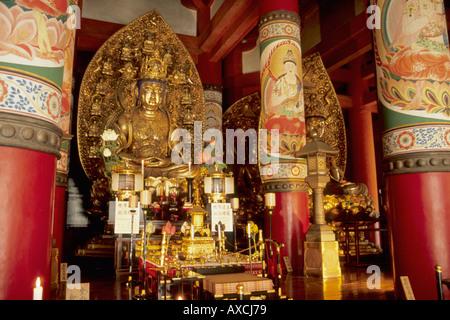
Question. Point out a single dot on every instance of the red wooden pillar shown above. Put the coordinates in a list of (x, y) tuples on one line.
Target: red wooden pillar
[(361, 140), (32, 120), (416, 141), (27, 185), (279, 35)]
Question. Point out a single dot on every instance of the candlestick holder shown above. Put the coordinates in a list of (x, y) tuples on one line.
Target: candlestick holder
[(146, 200), (249, 234), (234, 208), (190, 189), (133, 200), (219, 228), (270, 205)]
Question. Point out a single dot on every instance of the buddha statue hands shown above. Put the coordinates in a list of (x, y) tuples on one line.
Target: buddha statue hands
[(145, 130)]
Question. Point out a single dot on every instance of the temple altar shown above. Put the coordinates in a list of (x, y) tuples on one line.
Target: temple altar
[(150, 94)]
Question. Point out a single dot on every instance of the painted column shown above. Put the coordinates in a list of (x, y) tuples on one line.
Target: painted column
[(282, 116), (413, 78), (33, 40), (213, 106)]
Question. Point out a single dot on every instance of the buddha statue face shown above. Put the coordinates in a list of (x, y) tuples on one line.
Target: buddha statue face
[(151, 94)]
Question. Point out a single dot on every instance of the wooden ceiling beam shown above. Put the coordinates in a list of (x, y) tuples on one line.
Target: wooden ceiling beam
[(341, 75), (345, 101), (345, 43), (368, 71), (345, 54), (222, 22), (369, 100), (197, 4), (243, 26), (94, 33)]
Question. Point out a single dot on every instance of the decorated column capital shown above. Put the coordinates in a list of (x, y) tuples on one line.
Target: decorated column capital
[(279, 15), (30, 133)]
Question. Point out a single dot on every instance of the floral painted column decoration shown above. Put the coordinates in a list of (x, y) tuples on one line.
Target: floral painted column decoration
[(35, 37), (413, 78)]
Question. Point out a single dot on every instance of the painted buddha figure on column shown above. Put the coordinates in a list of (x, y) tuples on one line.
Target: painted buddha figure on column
[(144, 129)]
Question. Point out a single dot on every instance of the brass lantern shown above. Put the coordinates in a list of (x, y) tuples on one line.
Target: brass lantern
[(126, 182), (218, 185)]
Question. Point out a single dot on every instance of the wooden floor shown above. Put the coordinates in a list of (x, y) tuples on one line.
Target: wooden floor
[(352, 285)]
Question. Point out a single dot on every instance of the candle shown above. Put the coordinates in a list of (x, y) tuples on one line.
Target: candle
[(192, 231), (249, 230), (270, 199), (146, 197), (234, 203), (143, 180), (220, 233), (37, 292), (133, 201)]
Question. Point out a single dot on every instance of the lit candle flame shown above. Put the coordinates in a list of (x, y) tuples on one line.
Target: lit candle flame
[(38, 282)]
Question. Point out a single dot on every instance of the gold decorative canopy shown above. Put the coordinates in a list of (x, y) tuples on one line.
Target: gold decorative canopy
[(146, 55)]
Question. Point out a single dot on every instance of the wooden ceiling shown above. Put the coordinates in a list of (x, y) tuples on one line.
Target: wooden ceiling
[(345, 37), (236, 20)]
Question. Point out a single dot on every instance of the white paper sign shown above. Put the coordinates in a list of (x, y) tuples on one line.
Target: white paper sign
[(126, 220), (221, 212)]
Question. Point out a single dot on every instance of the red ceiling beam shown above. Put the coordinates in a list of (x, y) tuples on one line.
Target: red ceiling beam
[(242, 80), (341, 75), (369, 100), (234, 36), (94, 33), (197, 4), (222, 21), (345, 43)]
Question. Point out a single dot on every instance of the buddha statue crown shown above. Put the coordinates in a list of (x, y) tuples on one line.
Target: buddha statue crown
[(153, 68), (289, 57)]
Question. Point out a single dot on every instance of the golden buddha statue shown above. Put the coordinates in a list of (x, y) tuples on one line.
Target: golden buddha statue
[(147, 130), (134, 86), (144, 130)]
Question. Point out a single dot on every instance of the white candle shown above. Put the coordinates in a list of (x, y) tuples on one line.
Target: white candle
[(133, 201), (143, 179), (37, 292), (192, 231), (146, 197), (234, 203), (270, 199), (248, 230), (220, 233)]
